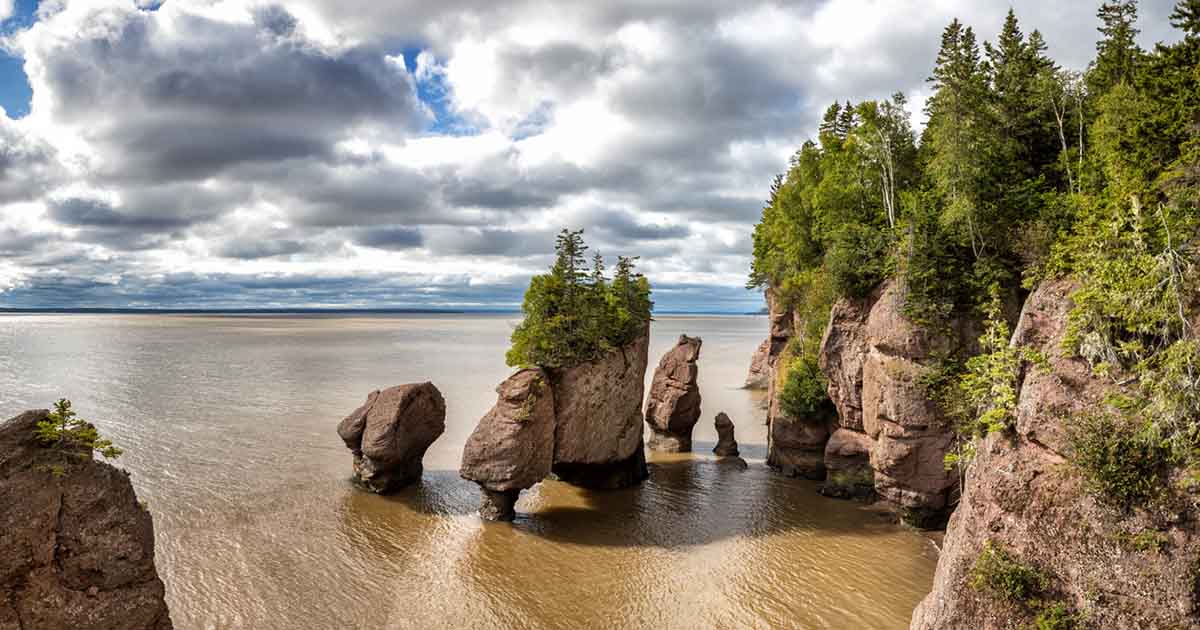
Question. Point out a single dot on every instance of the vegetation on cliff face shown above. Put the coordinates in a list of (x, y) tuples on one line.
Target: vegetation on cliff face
[(64, 429), (1024, 171), (574, 314)]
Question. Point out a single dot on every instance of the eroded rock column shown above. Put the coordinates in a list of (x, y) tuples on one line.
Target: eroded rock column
[(673, 407), (512, 447)]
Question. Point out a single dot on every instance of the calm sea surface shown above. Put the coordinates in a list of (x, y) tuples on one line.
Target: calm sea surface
[(228, 429)]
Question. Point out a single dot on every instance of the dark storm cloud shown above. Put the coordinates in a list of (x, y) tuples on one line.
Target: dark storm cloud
[(389, 237), (490, 242), (15, 242), (251, 248), (231, 291), (619, 226), (275, 19), (97, 213)]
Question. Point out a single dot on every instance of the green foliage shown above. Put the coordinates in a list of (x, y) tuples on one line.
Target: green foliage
[(1056, 616), (573, 316), (1001, 575), (804, 393), (989, 385), (1117, 52), (1122, 463), (1145, 541), (65, 431), (857, 259)]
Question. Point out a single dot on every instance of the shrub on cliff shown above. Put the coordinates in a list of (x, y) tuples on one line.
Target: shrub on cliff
[(573, 315), (65, 430)]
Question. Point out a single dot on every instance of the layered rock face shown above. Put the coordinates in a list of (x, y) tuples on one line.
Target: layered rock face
[(887, 438), (76, 548), (795, 446), (583, 424), (762, 364), (512, 448), (874, 359), (390, 433), (759, 375), (673, 407), (726, 444), (1022, 496)]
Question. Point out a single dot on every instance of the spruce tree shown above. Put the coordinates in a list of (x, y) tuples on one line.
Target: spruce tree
[(1117, 52)]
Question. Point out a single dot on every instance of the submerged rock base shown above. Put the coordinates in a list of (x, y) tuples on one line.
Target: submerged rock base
[(608, 476), (669, 442), (498, 505)]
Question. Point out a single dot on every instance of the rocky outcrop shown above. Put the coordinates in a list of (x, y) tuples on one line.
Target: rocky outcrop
[(1023, 497), (76, 548), (762, 364), (887, 438), (759, 375), (795, 445), (726, 444), (598, 419), (673, 406), (582, 424), (512, 448), (390, 433), (875, 359)]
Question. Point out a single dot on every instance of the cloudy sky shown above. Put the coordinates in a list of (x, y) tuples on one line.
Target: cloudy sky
[(396, 154)]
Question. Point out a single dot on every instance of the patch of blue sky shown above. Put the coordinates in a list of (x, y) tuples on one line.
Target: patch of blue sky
[(15, 93), (434, 93)]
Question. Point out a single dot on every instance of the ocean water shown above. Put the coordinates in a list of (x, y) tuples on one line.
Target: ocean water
[(228, 429)]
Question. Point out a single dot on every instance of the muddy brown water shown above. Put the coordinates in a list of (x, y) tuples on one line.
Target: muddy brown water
[(228, 427)]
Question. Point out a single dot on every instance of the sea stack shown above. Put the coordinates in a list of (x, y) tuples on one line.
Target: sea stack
[(583, 424), (674, 403), (726, 444), (77, 549), (512, 448), (598, 419), (390, 433)]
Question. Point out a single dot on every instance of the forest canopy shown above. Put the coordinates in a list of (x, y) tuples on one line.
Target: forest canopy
[(1024, 171), (575, 314)]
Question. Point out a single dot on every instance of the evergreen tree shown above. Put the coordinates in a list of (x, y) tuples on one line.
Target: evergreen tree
[(957, 133), (1117, 52), (572, 316), (1186, 17)]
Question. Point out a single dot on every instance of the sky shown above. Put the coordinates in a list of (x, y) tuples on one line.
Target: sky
[(355, 154)]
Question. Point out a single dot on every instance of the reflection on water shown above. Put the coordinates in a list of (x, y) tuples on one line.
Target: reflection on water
[(228, 427)]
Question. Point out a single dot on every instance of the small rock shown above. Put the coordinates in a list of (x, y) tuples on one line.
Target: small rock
[(726, 444)]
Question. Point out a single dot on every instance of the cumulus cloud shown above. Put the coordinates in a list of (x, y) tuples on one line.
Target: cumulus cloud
[(299, 153)]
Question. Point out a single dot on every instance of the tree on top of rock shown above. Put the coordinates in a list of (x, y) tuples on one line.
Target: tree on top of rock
[(572, 316)]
